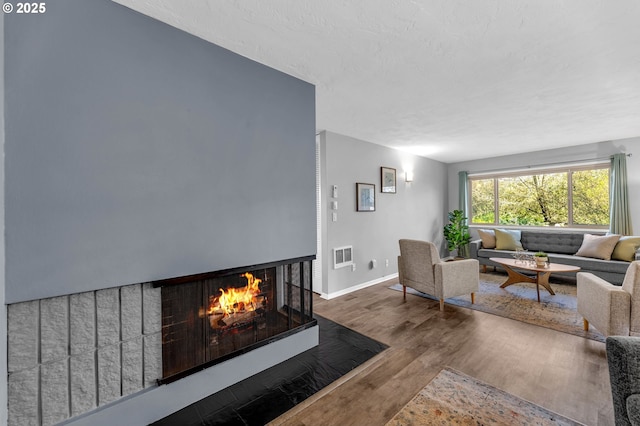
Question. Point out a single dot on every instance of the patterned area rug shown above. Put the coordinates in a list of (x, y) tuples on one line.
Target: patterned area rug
[(453, 398), (519, 302)]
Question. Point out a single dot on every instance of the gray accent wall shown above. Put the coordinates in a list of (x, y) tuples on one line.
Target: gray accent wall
[(3, 307), (586, 152), (416, 210), (136, 152)]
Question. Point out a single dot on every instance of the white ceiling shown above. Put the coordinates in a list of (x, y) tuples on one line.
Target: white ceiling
[(451, 80)]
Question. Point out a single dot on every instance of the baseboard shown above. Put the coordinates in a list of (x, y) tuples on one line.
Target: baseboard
[(351, 289)]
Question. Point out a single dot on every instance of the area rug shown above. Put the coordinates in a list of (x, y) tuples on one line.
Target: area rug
[(519, 302), (455, 398)]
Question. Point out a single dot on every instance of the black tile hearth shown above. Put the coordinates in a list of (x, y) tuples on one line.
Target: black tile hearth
[(265, 396)]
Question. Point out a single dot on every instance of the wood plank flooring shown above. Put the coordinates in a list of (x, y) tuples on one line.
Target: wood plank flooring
[(563, 373)]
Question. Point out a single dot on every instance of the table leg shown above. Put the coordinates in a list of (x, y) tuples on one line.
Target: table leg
[(543, 280), (516, 277)]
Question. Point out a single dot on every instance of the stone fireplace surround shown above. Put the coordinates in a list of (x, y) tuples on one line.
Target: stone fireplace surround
[(95, 357), (68, 355)]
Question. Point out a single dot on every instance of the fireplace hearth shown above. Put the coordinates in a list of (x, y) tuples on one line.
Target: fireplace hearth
[(212, 317)]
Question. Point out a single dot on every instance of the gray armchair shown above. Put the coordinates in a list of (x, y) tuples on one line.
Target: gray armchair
[(623, 357), (611, 309), (420, 267)]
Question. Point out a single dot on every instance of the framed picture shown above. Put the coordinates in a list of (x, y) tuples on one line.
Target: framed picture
[(388, 179), (365, 197)]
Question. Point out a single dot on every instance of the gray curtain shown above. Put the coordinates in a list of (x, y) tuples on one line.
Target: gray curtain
[(463, 191), (620, 217)]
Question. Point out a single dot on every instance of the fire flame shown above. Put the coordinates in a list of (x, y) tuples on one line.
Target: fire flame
[(235, 300)]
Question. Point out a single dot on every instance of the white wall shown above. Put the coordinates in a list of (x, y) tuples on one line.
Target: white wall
[(592, 151), (416, 210)]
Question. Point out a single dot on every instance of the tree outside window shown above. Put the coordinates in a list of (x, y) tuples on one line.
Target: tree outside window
[(591, 197), (560, 198), (482, 201)]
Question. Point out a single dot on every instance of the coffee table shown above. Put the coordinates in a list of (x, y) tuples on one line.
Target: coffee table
[(542, 274)]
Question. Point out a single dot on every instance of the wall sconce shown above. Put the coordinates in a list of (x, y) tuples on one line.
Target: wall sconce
[(408, 176)]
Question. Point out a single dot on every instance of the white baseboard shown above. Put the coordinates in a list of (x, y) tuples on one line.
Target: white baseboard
[(351, 289)]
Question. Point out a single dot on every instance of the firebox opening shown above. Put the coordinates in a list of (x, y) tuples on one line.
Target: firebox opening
[(212, 317)]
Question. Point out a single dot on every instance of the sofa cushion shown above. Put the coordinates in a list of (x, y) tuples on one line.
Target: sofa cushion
[(626, 249), (598, 246), (508, 239), (487, 253), (488, 238), (552, 242), (591, 264)]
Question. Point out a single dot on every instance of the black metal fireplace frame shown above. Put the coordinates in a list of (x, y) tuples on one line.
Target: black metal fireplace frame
[(306, 321)]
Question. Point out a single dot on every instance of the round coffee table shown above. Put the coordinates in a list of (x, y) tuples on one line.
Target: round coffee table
[(542, 274)]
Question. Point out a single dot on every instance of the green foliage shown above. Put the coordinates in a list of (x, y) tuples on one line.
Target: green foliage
[(540, 254), (535, 200), (482, 201), (591, 197), (543, 199), (457, 232)]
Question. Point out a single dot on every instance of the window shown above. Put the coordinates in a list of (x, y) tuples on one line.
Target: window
[(568, 197)]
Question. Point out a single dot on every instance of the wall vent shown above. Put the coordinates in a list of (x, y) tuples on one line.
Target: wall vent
[(342, 256)]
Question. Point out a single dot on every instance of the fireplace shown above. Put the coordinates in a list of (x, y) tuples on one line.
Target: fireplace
[(212, 317)]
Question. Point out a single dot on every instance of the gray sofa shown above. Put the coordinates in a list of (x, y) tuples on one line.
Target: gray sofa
[(561, 248)]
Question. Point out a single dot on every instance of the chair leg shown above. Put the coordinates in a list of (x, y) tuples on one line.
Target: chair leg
[(585, 323), (484, 268), (404, 292), (442, 304), (473, 298)]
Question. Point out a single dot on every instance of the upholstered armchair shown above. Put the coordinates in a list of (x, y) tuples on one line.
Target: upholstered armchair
[(611, 309), (420, 267), (623, 357)]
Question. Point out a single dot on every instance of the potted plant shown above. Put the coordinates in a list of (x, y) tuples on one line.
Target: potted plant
[(541, 258), (457, 233)]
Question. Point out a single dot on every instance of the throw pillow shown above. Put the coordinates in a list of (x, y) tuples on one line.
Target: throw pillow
[(508, 239), (598, 246), (488, 238), (625, 249)]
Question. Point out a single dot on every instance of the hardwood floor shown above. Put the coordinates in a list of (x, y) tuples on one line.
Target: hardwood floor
[(561, 372)]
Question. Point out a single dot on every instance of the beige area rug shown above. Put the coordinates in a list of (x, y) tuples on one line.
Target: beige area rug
[(520, 302), (453, 398)]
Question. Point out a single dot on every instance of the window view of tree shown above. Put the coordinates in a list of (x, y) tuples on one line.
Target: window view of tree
[(559, 198), (536, 200), (483, 201), (591, 197)]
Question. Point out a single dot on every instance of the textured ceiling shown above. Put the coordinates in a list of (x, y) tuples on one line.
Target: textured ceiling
[(451, 80)]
